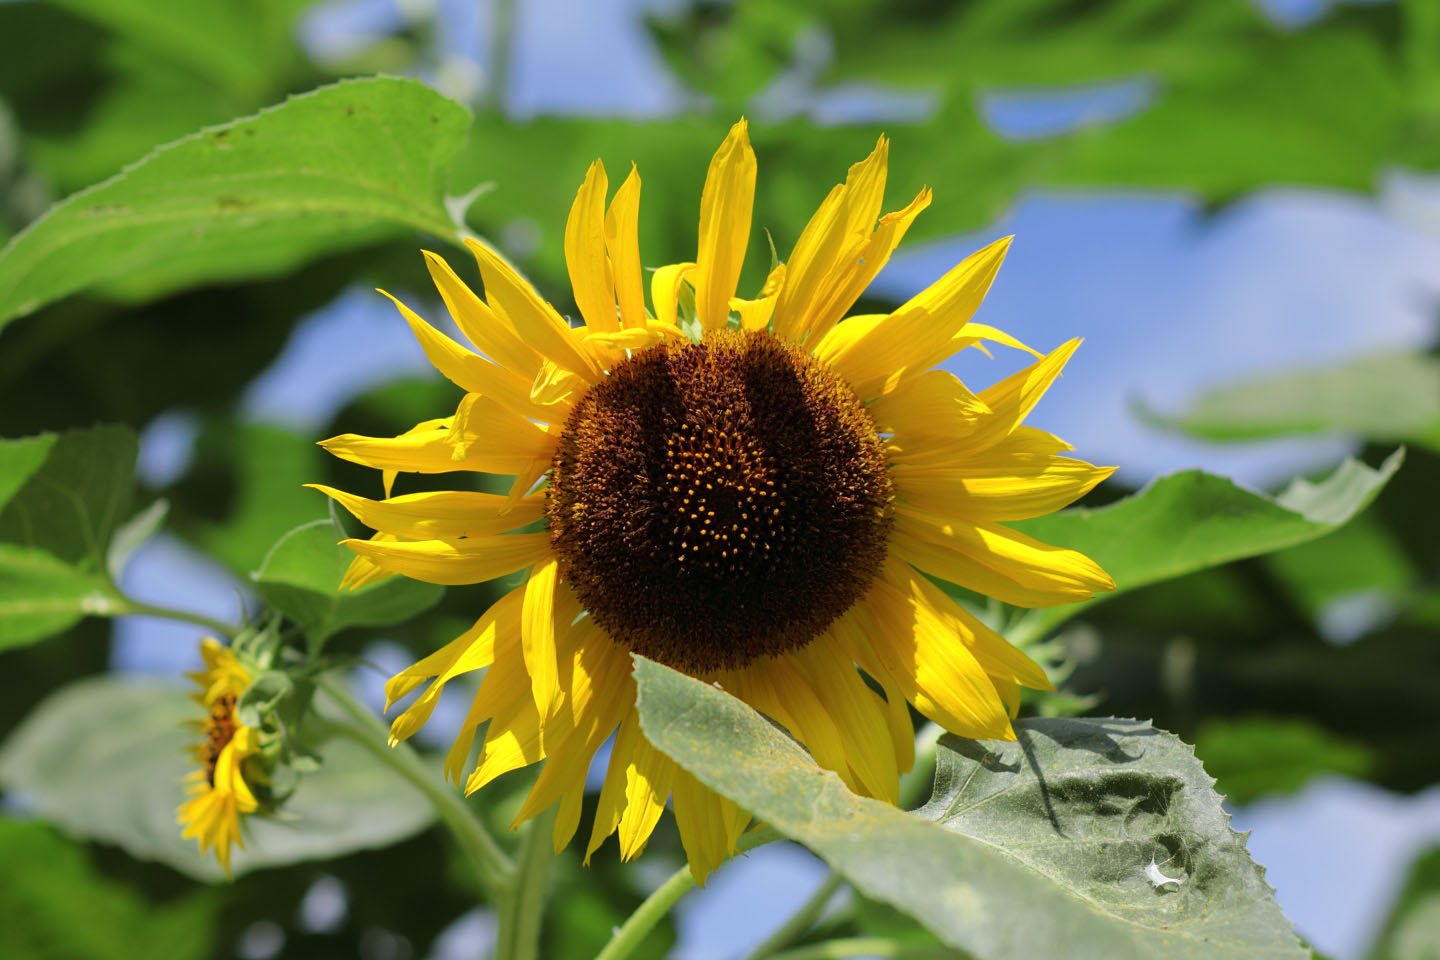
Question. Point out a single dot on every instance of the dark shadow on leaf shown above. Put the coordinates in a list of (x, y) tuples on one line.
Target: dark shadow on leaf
[(976, 751), (1094, 736), (1023, 737)]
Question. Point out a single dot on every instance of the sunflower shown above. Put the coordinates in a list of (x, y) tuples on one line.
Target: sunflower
[(219, 794), (754, 492)]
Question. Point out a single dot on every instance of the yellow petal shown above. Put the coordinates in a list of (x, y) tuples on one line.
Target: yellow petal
[(534, 320), (973, 333), (600, 692), (996, 561), (1016, 490), (440, 514), (919, 654), (484, 431), (472, 372), (494, 337), (755, 314), (537, 634), (585, 252), (858, 714), (831, 242), (911, 450), (725, 209), (363, 572), (622, 243), (648, 780), (472, 650), (512, 741), (665, 290), (431, 450), (702, 824), (454, 562), (810, 262), (995, 655), (611, 802), (879, 357), (861, 268), (778, 688), (934, 404), (1014, 397)]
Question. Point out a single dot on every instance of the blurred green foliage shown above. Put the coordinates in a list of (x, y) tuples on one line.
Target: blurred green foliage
[(165, 315)]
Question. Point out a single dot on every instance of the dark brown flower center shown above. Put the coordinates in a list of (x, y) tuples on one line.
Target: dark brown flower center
[(219, 731), (719, 501)]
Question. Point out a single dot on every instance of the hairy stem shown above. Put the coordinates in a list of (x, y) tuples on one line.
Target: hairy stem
[(523, 905), (493, 869), (134, 608), (870, 947), (916, 786), (633, 931), (801, 920)]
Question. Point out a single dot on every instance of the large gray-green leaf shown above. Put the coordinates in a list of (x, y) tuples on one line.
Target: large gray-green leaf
[(104, 758), (1192, 520), (1045, 847), (1390, 397), (342, 166), (54, 905), (301, 577)]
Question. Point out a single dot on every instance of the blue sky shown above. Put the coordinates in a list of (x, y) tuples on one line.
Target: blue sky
[(1169, 299)]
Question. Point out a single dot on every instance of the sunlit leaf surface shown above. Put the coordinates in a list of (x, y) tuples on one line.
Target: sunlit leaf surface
[(1027, 849), (340, 167)]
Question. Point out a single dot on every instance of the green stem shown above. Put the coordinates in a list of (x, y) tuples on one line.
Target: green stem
[(915, 786), (801, 920), (869, 947), (523, 905), (129, 608), (638, 925), (492, 867)]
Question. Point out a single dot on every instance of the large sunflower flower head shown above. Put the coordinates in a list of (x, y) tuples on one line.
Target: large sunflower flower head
[(219, 794), (749, 491)]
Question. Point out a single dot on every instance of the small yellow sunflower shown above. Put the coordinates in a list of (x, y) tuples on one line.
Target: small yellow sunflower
[(751, 499), (218, 792)]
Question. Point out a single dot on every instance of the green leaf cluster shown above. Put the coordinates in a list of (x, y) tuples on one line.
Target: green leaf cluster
[(215, 186)]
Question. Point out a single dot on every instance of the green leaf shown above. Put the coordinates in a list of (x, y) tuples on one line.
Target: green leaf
[(340, 167), (1035, 848), (1192, 520), (1360, 557), (71, 505), (19, 459), (55, 906), (40, 596), (1391, 397), (234, 45), (267, 468), (61, 497), (1254, 756), (1412, 930), (301, 578), (133, 533), (104, 759)]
